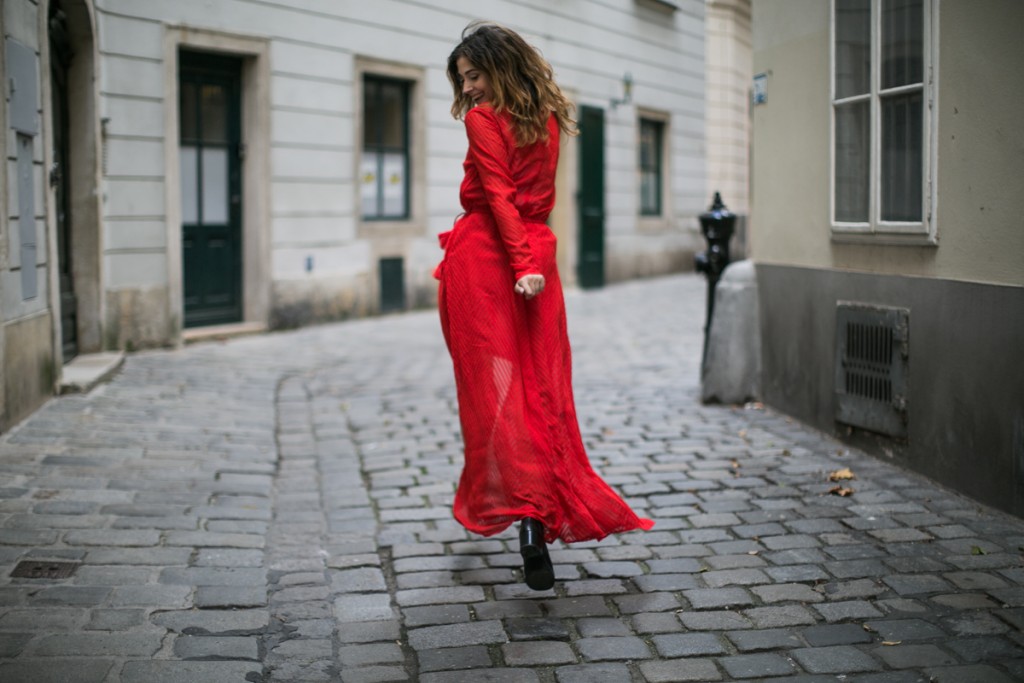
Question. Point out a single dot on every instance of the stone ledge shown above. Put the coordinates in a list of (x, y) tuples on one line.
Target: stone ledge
[(86, 371), (192, 335)]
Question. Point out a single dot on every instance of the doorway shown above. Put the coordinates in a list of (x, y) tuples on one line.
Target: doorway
[(211, 188), (590, 266), (61, 53)]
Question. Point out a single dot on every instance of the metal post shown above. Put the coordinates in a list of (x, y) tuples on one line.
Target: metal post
[(717, 226)]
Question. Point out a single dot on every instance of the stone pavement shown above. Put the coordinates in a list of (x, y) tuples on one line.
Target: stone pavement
[(276, 508)]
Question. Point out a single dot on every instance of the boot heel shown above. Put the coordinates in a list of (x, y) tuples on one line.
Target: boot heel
[(538, 572)]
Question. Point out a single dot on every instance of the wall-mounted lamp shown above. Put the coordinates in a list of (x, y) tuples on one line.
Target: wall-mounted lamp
[(627, 91)]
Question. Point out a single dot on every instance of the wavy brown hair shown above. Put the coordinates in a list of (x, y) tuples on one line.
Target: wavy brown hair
[(521, 78)]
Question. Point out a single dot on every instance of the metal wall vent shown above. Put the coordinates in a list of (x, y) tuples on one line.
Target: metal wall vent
[(392, 284), (43, 569), (872, 358)]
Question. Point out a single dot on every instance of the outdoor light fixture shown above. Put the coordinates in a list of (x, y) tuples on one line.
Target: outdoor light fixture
[(627, 91)]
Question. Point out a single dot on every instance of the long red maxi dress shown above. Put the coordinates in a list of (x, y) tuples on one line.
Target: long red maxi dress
[(523, 453)]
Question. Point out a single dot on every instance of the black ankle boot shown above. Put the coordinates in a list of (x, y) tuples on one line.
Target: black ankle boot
[(537, 568), (531, 538)]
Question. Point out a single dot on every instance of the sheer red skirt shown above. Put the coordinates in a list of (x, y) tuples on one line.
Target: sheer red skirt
[(513, 371)]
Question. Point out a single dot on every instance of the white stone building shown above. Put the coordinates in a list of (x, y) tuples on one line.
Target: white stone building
[(205, 166)]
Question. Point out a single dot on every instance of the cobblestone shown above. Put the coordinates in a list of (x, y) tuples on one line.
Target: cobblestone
[(276, 509), (612, 648), (537, 653), (56, 670), (756, 666), (835, 659), (764, 639), (456, 635), (688, 645), (680, 671), (215, 647), (161, 671)]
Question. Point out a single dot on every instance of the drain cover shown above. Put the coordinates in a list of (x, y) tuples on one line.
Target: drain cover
[(41, 569)]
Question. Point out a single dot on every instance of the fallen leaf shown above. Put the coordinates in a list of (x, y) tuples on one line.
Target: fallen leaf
[(785, 451), (891, 642), (977, 550), (840, 491), (735, 464), (867, 628), (840, 475)]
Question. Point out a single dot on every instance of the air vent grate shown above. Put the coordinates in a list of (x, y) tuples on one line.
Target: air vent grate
[(392, 284), (872, 356), (868, 361), (44, 569)]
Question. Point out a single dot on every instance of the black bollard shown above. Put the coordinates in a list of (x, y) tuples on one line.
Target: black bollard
[(717, 225)]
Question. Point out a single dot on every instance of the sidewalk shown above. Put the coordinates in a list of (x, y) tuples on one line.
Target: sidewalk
[(277, 508)]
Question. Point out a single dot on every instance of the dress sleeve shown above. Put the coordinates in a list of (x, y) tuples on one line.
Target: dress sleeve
[(489, 153)]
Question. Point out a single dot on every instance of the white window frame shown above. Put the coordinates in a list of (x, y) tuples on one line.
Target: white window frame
[(659, 165), (415, 223), (661, 221), (406, 87), (875, 230)]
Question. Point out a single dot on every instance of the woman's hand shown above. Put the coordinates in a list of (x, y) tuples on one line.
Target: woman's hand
[(530, 285)]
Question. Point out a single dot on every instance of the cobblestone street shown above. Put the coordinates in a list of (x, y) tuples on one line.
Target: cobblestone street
[(277, 508)]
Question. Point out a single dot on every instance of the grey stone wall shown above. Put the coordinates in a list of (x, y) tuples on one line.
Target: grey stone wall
[(966, 389)]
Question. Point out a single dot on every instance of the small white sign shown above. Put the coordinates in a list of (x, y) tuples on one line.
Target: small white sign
[(368, 183), (760, 89)]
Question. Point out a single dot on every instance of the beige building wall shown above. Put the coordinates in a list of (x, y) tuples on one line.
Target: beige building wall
[(978, 204), (956, 399), (980, 142), (789, 202), (729, 76)]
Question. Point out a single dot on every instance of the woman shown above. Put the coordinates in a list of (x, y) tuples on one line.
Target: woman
[(503, 315)]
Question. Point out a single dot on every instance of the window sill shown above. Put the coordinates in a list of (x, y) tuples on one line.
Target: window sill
[(894, 239), (668, 6), (407, 227)]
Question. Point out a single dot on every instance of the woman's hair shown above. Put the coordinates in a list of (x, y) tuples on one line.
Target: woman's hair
[(521, 78)]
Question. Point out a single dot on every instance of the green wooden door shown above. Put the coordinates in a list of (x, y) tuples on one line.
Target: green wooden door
[(211, 191), (590, 268)]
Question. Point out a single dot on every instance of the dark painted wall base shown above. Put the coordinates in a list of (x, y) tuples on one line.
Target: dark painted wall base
[(966, 366)]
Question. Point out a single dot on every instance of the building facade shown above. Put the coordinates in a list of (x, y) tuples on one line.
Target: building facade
[(887, 235), (179, 169)]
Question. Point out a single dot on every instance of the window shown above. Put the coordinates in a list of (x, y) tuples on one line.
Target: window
[(384, 171), (650, 163), (880, 125)]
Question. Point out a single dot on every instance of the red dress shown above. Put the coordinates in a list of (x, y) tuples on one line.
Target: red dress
[(523, 453)]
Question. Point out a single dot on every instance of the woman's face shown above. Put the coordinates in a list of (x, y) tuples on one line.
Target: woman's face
[(475, 83)]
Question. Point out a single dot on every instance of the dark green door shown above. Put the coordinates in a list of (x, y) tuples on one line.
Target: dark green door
[(590, 268), (211, 192), (60, 176)]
